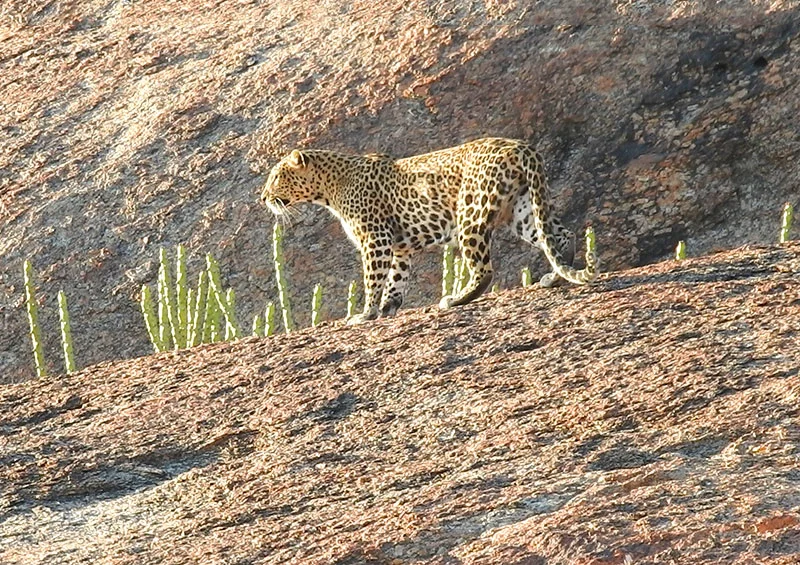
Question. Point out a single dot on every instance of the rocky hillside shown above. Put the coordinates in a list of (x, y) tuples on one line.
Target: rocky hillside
[(652, 418), (130, 125)]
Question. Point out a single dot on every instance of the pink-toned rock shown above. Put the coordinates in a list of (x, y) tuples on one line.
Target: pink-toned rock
[(135, 125)]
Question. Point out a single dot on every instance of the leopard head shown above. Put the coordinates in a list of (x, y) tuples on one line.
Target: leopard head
[(289, 181)]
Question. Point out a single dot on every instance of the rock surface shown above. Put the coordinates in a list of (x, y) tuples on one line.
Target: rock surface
[(130, 125), (650, 419)]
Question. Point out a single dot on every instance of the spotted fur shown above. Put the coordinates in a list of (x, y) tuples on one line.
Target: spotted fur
[(392, 209)]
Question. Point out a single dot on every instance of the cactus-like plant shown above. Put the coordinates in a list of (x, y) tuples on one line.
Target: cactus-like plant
[(351, 299), (167, 315), (591, 251), (189, 316), (150, 319), (181, 326), (456, 284), (199, 310), (197, 307), (230, 297), (786, 222), (280, 278), (212, 329), (316, 305), (680, 251), (229, 308), (66, 333), (527, 279), (590, 239), (258, 326), (269, 320), (33, 319), (190, 300), (218, 295), (462, 275), (447, 270)]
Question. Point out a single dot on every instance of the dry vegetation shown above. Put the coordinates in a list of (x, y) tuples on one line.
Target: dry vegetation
[(650, 419)]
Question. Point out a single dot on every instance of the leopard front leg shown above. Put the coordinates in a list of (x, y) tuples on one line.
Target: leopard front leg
[(376, 260)]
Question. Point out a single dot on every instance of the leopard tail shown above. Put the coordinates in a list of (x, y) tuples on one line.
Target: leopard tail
[(541, 213)]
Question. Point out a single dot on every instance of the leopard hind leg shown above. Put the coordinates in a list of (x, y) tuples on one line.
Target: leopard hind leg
[(475, 244), (396, 282)]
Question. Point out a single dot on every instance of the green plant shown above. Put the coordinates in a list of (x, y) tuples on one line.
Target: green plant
[(198, 310), (213, 316), (461, 275), (495, 288), (280, 277), (455, 274), (527, 280), (231, 327), (680, 251), (316, 305), (454, 287), (33, 319), (447, 270), (166, 302), (181, 328), (190, 299), (150, 319), (351, 299), (786, 222), (189, 316), (66, 333), (258, 326), (269, 319), (590, 241), (224, 303)]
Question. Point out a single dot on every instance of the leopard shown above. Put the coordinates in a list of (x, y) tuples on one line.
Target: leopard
[(393, 208)]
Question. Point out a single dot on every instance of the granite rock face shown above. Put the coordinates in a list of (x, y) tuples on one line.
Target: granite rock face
[(651, 418), (128, 126)]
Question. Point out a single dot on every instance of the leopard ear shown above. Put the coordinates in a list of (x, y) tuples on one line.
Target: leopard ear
[(297, 159)]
